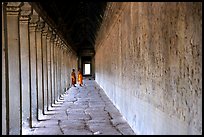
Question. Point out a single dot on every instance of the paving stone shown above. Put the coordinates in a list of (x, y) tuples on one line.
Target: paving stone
[(108, 129), (72, 124), (77, 132), (124, 129), (48, 131), (117, 120), (85, 111), (92, 121), (79, 116), (48, 123)]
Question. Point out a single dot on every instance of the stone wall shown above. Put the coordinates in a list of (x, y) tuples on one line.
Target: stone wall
[(148, 60)]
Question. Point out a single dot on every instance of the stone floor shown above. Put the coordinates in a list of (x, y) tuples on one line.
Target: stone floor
[(83, 111)]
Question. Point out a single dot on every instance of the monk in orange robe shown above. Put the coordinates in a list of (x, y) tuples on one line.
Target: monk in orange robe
[(80, 77), (73, 76)]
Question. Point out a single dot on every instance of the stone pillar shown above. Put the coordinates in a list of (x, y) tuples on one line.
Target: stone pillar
[(58, 69), (62, 68), (33, 64), (69, 66), (44, 54), (52, 44), (40, 85), (14, 80), (49, 79), (4, 69), (25, 62), (60, 64), (68, 69), (55, 67)]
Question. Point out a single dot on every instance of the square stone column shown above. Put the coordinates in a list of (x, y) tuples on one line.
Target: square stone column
[(58, 68), (45, 75), (55, 68), (63, 66), (49, 78), (40, 84), (68, 69), (25, 63), (33, 64), (4, 69), (52, 68), (13, 96), (62, 70), (69, 66)]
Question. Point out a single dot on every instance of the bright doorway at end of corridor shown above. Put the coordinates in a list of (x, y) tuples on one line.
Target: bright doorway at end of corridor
[(87, 69)]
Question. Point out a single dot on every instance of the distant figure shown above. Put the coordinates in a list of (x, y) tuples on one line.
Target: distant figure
[(80, 77), (73, 76)]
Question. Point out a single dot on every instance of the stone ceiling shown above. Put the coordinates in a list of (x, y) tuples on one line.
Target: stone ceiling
[(78, 22)]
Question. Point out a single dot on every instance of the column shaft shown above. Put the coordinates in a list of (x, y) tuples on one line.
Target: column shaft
[(59, 68), (49, 71), (33, 63), (40, 85), (4, 70), (62, 71), (14, 80), (52, 70), (55, 69), (45, 81), (25, 63)]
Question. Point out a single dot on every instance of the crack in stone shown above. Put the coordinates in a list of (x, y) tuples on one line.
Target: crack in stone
[(76, 99), (87, 127), (66, 113), (115, 126), (59, 121)]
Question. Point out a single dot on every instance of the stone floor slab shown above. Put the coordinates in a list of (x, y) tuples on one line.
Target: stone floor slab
[(82, 111)]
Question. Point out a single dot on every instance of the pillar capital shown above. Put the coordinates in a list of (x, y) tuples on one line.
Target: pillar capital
[(40, 24), (53, 37), (64, 48), (13, 8), (34, 19), (55, 40), (26, 11), (49, 33), (45, 29), (58, 40), (58, 43)]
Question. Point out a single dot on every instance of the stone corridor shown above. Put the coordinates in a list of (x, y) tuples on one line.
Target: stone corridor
[(146, 57), (82, 111)]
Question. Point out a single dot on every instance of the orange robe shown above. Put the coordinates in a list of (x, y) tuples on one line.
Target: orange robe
[(73, 78), (80, 78)]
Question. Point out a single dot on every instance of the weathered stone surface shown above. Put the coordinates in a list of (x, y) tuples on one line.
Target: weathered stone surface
[(151, 53), (48, 131)]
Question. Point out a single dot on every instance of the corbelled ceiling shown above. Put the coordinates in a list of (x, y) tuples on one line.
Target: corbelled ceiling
[(78, 22)]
